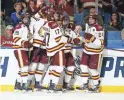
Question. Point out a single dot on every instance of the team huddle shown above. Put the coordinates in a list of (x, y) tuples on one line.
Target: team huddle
[(44, 41)]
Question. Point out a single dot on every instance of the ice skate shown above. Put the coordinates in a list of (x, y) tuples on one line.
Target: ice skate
[(30, 86), (26, 88), (57, 90), (84, 87), (94, 89), (67, 87), (18, 87), (51, 87), (38, 86)]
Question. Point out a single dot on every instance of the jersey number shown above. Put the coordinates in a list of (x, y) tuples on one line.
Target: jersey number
[(48, 38), (100, 35), (57, 31)]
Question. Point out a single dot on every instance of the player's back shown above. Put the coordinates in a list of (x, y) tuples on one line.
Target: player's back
[(35, 29), (54, 37)]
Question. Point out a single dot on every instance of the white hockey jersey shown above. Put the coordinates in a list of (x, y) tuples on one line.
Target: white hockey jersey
[(70, 35), (97, 46), (21, 34), (35, 25), (54, 39)]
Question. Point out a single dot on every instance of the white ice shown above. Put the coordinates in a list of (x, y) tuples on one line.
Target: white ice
[(60, 96)]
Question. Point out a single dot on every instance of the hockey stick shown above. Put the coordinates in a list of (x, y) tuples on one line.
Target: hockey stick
[(77, 70), (30, 39), (46, 69)]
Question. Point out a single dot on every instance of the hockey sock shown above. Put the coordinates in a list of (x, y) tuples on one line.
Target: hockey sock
[(56, 73), (94, 76), (39, 72), (68, 73), (84, 73), (32, 70), (24, 74)]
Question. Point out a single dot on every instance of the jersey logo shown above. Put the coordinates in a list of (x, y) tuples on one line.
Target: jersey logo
[(16, 32), (40, 31)]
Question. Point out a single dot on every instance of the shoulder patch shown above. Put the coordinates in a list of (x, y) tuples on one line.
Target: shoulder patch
[(52, 25), (16, 33), (98, 27)]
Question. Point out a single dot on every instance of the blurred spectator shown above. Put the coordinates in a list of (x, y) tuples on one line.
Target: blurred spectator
[(40, 3), (66, 6), (107, 6), (114, 22), (93, 12), (16, 16), (7, 6), (120, 7), (47, 2), (32, 7), (24, 5), (7, 39), (77, 6), (78, 29), (87, 4), (20, 0), (1, 13), (2, 22)]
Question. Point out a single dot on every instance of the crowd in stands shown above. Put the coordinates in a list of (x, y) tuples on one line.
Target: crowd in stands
[(110, 13)]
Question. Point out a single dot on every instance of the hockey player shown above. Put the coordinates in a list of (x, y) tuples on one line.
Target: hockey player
[(70, 54), (55, 45), (38, 55), (93, 49), (22, 43)]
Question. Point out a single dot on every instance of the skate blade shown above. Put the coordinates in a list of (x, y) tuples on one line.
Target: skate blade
[(24, 91), (92, 91), (17, 90), (37, 90), (44, 90), (49, 91), (68, 91), (57, 91), (77, 90)]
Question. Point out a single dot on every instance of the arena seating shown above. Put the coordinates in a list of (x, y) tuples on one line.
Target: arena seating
[(78, 19)]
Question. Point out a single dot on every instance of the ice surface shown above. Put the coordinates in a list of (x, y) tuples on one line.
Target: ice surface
[(60, 96)]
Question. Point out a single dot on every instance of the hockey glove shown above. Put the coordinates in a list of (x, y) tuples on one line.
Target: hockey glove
[(26, 44), (83, 45), (76, 41)]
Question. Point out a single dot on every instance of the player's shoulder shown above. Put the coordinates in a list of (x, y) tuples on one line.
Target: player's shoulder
[(98, 27), (53, 24), (19, 26), (45, 27)]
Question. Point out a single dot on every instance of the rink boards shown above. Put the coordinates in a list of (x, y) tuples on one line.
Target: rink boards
[(112, 71)]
